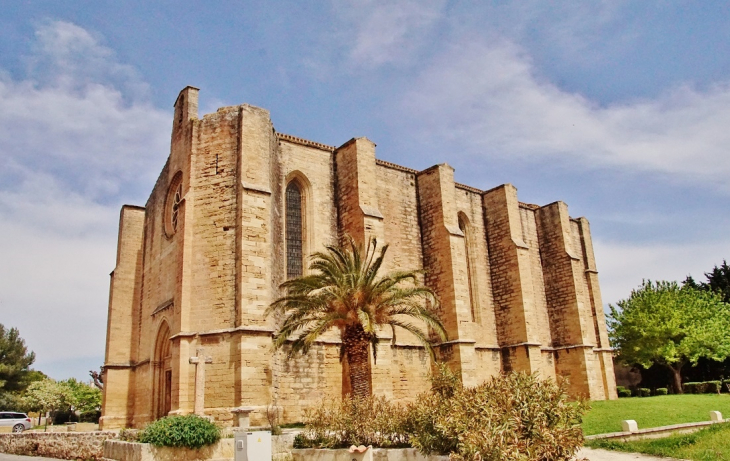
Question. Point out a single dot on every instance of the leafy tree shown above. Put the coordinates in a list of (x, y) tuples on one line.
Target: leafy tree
[(344, 291), (84, 397), (718, 280), (15, 360), (671, 326), (47, 395), (11, 401)]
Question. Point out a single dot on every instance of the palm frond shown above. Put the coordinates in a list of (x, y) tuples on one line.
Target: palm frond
[(344, 288)]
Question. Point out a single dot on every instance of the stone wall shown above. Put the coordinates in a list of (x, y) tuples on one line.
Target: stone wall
[(115, 450), (61, 445)]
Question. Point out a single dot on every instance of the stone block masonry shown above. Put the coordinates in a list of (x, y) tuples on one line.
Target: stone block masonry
[(60, 445), (200, 262)]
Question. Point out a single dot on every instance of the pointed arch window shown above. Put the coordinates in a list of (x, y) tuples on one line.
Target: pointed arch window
[(172, 205), (470, 270), (294, 231)]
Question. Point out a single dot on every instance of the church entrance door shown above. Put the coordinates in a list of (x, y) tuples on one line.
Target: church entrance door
[(162, 373)]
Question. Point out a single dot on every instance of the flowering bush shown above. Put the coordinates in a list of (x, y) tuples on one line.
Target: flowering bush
[(512, 416), (350, 421)]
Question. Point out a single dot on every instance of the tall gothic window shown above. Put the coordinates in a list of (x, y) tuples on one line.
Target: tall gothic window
[(294, 231), (464, 227)]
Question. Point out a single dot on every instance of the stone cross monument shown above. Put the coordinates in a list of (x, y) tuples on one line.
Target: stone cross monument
[(199, 361)]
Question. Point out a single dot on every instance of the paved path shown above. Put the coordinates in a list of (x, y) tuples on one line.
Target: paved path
[(593, 454), (7, 457)]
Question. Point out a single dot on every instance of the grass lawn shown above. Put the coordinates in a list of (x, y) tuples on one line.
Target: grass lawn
[(606, 415), (711, 444)]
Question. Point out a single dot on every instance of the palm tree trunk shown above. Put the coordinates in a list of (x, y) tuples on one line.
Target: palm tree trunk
[(356, 344)]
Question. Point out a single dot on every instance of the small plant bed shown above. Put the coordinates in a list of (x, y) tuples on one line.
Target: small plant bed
[(709, 444), (605, 416), (188, 431)]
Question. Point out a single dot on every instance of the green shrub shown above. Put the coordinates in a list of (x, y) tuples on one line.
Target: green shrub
[(712, 387), (340, 423), (189, 431), (513, 416), (661, 391), (90, 417), (694, 388), (644, 392), (64, 416), (623, 392)]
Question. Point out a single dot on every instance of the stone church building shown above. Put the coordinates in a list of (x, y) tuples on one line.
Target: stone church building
[(235, 212)]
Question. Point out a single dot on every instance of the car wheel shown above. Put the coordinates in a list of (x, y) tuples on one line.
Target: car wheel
[(18, 428)]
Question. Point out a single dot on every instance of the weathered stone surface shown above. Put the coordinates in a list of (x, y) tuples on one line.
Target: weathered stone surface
[(61, 445), (115, 450), (199, 264)]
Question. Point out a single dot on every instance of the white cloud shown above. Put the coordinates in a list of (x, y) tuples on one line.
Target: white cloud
[(573, 32), (77, 135), (387, 31), (54, 287), (80, 116), (622, 266), (485, 100)]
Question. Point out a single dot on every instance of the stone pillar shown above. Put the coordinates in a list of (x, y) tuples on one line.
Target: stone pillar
[(604, 350), (183, 146), (118, 400), (512, 281), (254, 248), (253, 232), (445, 263), (199, 361), (359, 214), (572, 319), (361, 219)]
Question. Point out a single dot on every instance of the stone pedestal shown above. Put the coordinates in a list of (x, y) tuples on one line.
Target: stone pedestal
[(241, 420)]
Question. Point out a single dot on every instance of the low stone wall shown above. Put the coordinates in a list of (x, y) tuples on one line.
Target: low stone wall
[(655, 432), (115, 450), (371, 454), (62, 445)]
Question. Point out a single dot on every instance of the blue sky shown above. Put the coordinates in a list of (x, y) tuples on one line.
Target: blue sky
[(620, 109)]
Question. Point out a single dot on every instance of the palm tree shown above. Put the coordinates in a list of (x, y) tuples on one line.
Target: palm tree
[(344, 291)]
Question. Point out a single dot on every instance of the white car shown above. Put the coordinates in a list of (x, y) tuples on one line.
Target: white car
[(18, 421)]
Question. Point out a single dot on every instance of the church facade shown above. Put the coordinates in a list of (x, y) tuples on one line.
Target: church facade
[(235, 212)]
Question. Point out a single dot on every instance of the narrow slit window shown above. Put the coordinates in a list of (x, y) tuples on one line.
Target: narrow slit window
[(294, 231)]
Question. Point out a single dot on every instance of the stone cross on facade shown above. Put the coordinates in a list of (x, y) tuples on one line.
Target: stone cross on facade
[(199, 361)]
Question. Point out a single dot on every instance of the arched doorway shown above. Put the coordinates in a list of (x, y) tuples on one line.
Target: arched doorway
[(162, 372)]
